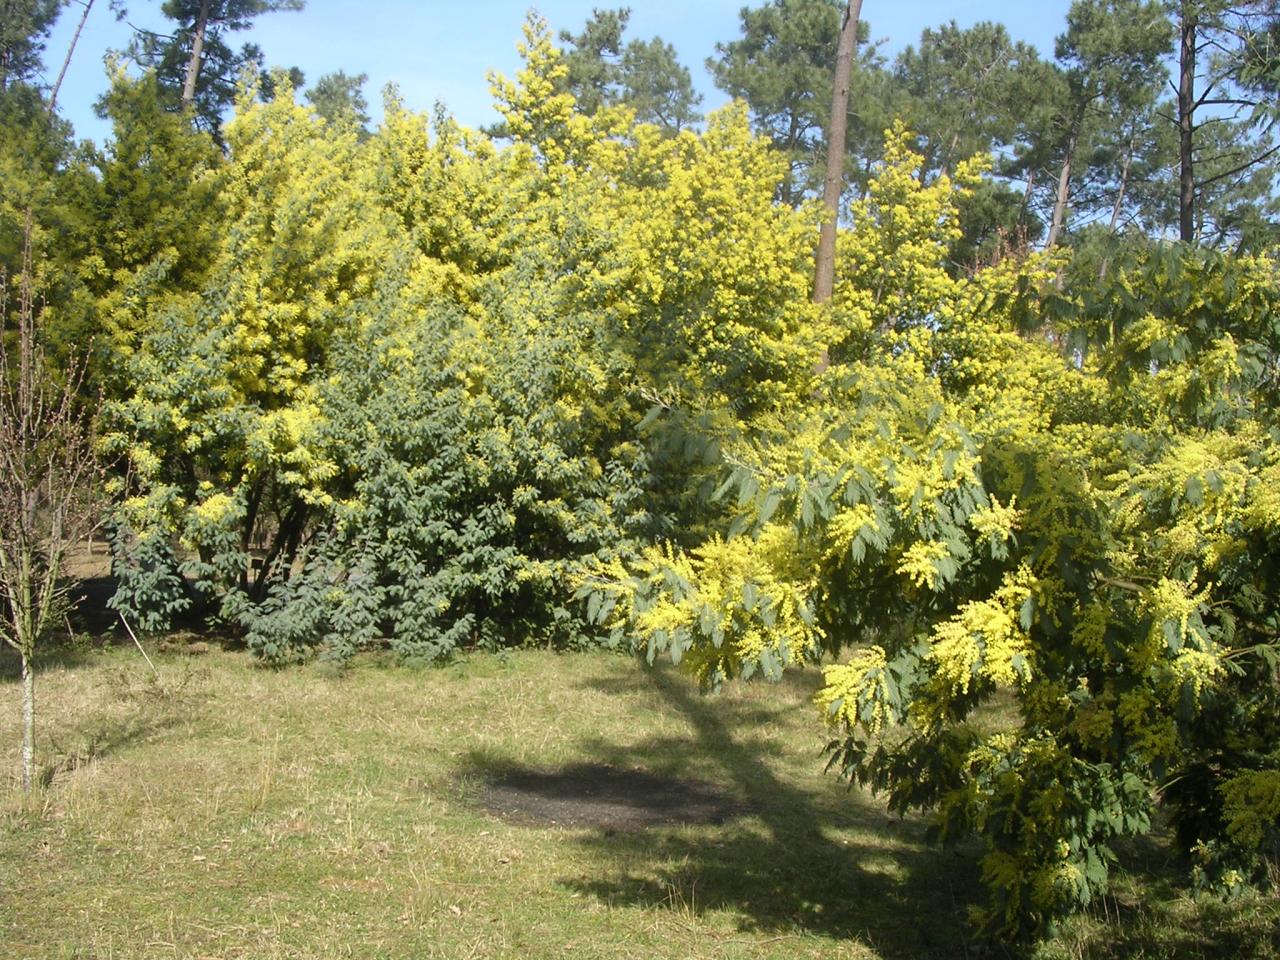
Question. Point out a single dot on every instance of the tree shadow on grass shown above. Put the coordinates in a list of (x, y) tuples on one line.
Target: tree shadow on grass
[(55, 653), (91, 625), (1150, 913), (138, 705), (94, 738), (787, 859), (600, 795), (808, 860), (89, 622)]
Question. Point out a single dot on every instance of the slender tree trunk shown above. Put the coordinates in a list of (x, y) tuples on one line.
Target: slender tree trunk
[(1186, 127), (825, 271), (1026, 196), (1059, 204), (1124, 183), (284, 546), (66, 61), (788, 193), (197, 52), (1064, 189), (944, 162), (48, 469), (28, 722), (950, 158), (1116, 207)]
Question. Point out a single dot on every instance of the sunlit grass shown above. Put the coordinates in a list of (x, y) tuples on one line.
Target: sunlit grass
[(225, 810)]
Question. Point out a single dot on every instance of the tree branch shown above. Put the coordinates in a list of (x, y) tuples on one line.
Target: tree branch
[(1238, 169)]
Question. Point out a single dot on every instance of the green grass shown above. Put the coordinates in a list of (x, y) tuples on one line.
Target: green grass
[(228, 811)]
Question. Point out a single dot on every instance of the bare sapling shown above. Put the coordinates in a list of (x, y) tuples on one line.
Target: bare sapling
[(50, 481)]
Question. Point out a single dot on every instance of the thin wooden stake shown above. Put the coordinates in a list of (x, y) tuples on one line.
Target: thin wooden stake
[(139, 646)]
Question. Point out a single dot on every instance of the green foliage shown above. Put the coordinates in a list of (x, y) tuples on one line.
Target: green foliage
[(591, 58), (402, 403), (150, 591), (647, 76), (337, 98), (220, 67), (975, 92), (1111, 61), (1207, 337), (34, 150), (472, 496), (657, 86), (965, 90), (153, 214), (429, 389), (220, 419), (782, 66), (47, 177), (23, 31), (1232, 151), (1011, 490)]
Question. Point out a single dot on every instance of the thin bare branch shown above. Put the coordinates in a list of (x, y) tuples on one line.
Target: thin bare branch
[(1240, 168)]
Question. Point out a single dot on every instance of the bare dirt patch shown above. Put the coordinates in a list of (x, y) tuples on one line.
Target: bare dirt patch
[(610, 798)]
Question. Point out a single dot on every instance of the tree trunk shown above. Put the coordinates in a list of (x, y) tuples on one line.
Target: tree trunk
[(197, 52), (1064, 190), (28, 722), (1115, 209), (1186, 128), (788, 192), (1124, 183), (825, 270), (1059, 204), (66, 62), (1026, 196)]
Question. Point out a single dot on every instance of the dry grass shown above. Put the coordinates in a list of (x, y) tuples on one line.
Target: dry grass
[(228, 811)]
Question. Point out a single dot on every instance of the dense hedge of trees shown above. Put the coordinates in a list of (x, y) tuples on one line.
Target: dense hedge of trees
[(424, 388)]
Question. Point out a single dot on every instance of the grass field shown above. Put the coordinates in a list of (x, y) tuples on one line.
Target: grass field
[(225, 810)]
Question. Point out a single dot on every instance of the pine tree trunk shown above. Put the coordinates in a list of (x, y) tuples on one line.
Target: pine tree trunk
[(825, 269), (1026, 196), (197, 52), (788, 192), (1186, 128), (1059, 204), (1124, 185), (66, 62), (28, 722), (1064, 191)]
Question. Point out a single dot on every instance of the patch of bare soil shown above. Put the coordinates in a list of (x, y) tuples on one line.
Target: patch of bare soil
[(598, 795)]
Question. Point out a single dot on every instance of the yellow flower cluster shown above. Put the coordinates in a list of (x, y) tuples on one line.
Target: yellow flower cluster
[(984, 641)]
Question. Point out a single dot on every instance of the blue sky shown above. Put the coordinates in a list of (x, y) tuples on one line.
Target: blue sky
[(442, 50)]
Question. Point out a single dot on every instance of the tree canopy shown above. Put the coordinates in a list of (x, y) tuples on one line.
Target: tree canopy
[(406, 386)]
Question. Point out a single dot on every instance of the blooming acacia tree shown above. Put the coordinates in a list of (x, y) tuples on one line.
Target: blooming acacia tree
[(1004, 492)]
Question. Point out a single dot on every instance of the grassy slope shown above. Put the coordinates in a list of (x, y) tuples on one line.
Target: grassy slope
[(230, 811)]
